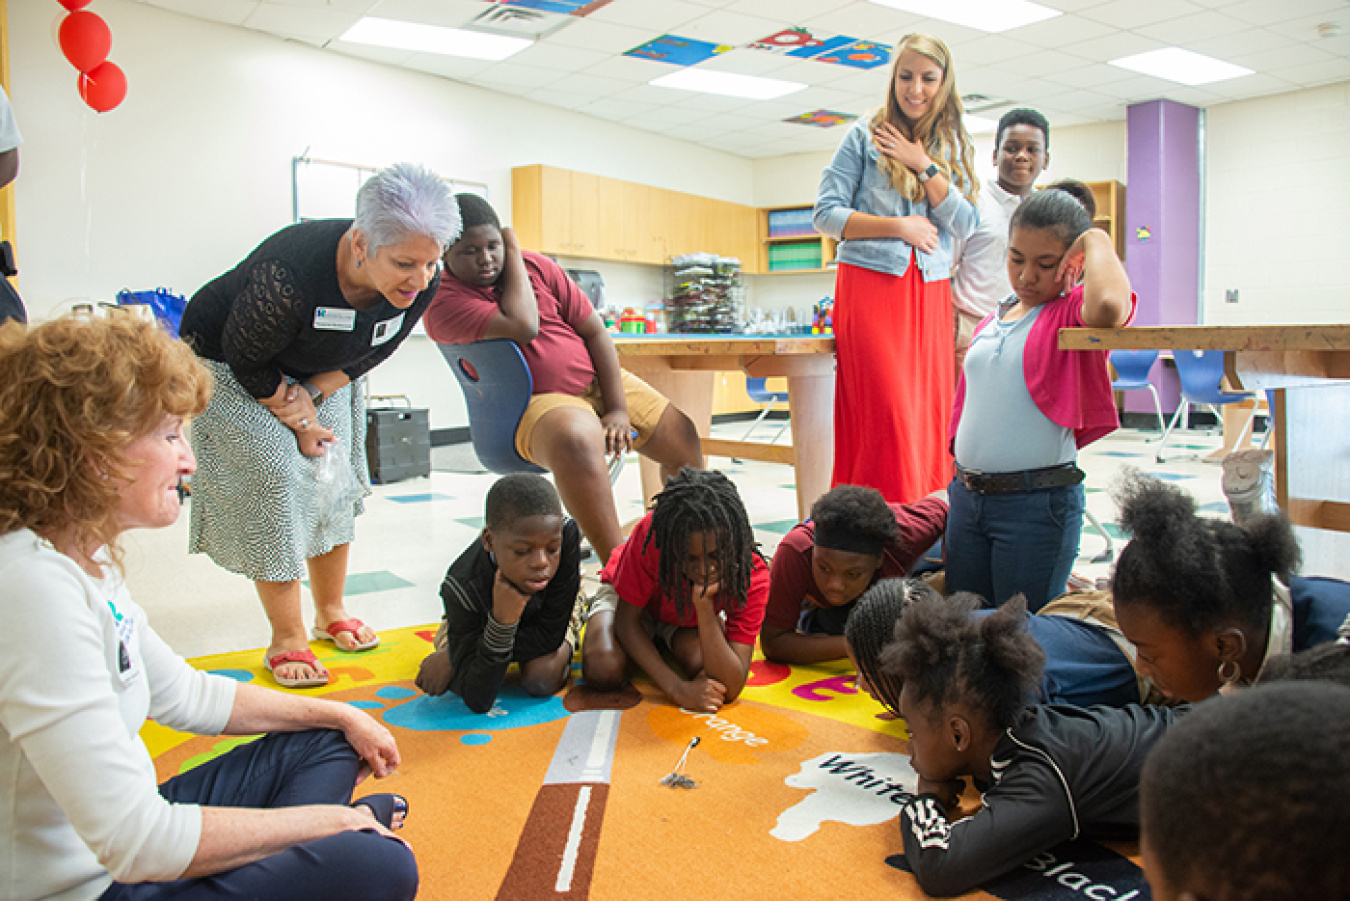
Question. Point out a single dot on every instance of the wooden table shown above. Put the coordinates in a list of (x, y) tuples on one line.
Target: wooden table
[(681, 367), (1307, 369)]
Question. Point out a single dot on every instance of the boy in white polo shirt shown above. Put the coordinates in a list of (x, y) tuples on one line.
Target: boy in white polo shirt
[(980, 279)]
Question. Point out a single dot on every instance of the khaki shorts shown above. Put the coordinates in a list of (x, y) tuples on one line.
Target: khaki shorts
[(606, 598), (645, 406), (1095, 607)]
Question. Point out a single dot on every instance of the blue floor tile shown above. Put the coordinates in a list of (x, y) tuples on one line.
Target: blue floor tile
[(473, 522), (779, 527), (421, 498), (366, 583)]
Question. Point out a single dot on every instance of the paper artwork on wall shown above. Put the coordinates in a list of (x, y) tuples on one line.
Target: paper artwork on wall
[(841, 50), (822, 118), (678, 51)]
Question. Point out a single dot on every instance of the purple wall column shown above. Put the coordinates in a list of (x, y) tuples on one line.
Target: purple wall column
[(1162, 225)]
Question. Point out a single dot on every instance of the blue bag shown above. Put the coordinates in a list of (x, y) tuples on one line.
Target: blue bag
[(167, 306)]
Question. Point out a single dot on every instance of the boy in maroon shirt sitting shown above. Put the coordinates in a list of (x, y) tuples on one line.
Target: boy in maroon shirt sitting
[(584, 405)]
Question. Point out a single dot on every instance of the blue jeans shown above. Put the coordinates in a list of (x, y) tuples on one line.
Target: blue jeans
[(999, 545), (287, 769)]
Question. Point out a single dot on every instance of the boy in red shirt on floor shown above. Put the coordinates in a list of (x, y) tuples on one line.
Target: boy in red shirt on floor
[(688, 580)]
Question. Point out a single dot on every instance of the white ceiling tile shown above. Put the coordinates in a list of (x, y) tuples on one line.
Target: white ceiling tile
[(1229, 47), (1266, 12), (1257, 85), (1076, 100), (448, 13), (616, 110), (1316, 73), (867, 82), (545, 55), (662, 118), (1138, 13), (513, 77), (360, 7), (646, 93), (387, 55), (1272, 60), (581, 83), (1187, 30), (603, 36), (664, 17), (628, 70), (1120, 44), (1061, 31), (748, 61), (319, 25), (564, 99), (1304, 28), (866, 21), (721, 27), (456, 67), (228, 12), (780, 10), (991, 50), (1093, 75), (708, 103), (1041, 63)]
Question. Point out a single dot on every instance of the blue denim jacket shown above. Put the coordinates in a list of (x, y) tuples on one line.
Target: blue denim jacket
[(854, 182)]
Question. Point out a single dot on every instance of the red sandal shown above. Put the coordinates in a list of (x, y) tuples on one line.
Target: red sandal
[(353, 625), (307, 657)]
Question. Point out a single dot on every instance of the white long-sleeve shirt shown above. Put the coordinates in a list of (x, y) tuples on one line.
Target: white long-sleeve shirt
[(80, 670)]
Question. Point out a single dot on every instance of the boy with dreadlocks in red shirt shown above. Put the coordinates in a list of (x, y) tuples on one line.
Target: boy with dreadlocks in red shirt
[(689, 580)]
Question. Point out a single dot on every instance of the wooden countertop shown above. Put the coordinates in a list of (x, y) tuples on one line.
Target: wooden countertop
[(721, 345), (1277, 338)]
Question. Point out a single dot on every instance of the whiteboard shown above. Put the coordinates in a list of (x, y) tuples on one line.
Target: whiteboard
[(324, 189)]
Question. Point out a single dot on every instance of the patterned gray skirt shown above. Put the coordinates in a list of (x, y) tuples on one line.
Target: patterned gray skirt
[(256, 507)]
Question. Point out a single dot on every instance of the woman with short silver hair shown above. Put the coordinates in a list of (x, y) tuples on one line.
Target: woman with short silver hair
[(287, 333)]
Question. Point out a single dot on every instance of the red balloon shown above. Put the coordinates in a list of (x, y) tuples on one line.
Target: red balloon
[(103, 87), (73, 5), (85, 39)]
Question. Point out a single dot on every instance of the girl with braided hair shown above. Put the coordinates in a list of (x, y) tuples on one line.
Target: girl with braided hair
[(1047, 773), (691, 581), (1209, 603)]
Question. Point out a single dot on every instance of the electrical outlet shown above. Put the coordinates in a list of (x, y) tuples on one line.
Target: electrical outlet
[(1230, 295)]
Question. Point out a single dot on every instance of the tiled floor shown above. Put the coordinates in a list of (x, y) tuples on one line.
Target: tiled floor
[(412, 530)]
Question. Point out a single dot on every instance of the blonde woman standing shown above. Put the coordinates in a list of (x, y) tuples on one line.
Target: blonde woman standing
[(897, 194)]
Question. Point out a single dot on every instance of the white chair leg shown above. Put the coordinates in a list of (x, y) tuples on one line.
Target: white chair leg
[(1157, 407), (1171, 425), (779, 433), (1109, 552), (763, 414)]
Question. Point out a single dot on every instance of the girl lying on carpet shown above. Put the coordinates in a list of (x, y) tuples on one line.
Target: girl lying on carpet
[(1205, 601), (1087, 659), (1048, 774), (510, 597), (689, 577), (91, 445), (1245, 800), (853, 538)]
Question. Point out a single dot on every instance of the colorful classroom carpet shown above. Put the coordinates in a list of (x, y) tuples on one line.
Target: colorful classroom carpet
[(798, 787)]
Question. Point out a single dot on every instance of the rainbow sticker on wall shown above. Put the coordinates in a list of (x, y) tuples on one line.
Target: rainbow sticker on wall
[(678, 51), (1143, 233)]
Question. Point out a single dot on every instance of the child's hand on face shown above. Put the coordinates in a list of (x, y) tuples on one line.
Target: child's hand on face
[(508, 601), (702, 694), (1071, 267), (705, 599), (948, 792)]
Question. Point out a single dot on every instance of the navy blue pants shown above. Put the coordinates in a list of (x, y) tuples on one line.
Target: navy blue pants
[(287, 769), (999, 545)]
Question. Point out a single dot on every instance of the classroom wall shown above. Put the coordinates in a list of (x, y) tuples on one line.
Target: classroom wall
[(194, 168), (1278, 189)]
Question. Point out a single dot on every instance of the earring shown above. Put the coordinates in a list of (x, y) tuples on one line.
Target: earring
[(1227, 676)]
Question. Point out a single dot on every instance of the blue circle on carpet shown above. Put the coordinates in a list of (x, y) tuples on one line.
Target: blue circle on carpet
[(366, 705), (238, 675), (475, 738), (394, 693), (513, 710)]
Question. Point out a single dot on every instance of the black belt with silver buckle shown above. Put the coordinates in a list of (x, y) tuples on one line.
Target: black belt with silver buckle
[(1022, 481)]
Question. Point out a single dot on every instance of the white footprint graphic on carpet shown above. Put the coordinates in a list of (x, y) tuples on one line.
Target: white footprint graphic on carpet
[(858, 789)]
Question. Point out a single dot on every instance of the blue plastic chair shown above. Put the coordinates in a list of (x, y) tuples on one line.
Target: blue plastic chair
[(1201, 383), (761, 395), (1132, 368), (497, 386)]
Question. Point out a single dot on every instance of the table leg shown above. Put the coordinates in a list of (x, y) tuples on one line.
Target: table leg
[(689, 390), (811, 406)]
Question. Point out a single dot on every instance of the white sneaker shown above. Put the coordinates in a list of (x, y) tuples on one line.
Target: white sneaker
[(1249, 484)]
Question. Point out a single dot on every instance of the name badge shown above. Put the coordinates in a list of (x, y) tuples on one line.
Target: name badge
[(334, 319), (386, 329)]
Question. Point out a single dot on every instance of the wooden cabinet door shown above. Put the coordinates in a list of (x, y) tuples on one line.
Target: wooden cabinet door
[(584, 217), (624, 222)]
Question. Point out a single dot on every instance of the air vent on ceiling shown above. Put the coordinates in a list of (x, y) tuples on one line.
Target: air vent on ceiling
[(975, 103), (518, 22)]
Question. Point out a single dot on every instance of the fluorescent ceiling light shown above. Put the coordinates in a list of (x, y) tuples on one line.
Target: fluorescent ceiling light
[(729, 84), (979, 125), (433, 39), (1182, 66), (983, 15)]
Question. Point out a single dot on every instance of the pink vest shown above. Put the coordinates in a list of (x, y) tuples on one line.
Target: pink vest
[(1071, 387)]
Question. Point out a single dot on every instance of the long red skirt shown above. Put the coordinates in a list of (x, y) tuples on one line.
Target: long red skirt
[(894, 384)]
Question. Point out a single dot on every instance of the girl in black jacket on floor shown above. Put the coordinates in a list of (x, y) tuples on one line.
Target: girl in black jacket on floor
[(1048, 773)]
